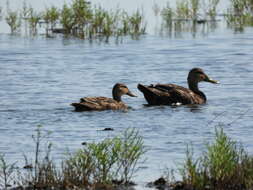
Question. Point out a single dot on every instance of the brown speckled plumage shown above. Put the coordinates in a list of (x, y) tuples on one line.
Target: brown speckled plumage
[(104, 103), (171, 94)]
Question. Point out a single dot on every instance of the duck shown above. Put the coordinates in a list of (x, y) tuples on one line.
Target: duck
[(103, 103), (172, 94)]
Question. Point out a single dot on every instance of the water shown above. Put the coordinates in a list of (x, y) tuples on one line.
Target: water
[(41, 77)]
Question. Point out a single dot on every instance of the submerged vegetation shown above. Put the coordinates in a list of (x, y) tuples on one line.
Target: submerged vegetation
[(12, 19), (79, 19), (186, 15), (240, 14), (82, 19)]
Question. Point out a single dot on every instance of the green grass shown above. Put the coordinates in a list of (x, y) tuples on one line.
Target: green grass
[(111, 162), (223, 165)]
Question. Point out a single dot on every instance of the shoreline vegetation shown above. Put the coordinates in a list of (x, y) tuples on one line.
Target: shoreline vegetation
[(112, 163), (107, 164), (83, 20)]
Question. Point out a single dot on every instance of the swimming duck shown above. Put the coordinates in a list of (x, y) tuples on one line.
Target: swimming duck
[(104, 103), (171, 94)]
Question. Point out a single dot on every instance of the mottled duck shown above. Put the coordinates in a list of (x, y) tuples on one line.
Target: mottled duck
[(104, 103), (171, 94)]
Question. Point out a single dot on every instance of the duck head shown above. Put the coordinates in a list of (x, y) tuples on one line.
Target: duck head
[(197, 75), (119, 90)]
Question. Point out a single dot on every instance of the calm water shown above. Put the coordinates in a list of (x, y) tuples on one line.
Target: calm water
[(41, 77)]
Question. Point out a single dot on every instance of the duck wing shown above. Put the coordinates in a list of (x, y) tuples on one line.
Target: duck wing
[(167, 94), (98, 104)]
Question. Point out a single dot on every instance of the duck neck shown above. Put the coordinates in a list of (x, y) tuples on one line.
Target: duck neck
[(116, 97), (193, 86)]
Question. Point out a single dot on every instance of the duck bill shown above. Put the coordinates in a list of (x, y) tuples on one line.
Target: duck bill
[(211, 80), (129, 93)]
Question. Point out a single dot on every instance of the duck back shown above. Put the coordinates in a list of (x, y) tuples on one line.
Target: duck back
[(169, 94), (98, 104)]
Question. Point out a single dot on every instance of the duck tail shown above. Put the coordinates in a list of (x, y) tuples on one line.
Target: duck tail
[(80, 107), (144, 89), (149, 93)]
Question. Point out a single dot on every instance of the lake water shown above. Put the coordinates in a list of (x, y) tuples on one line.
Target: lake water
[(41, 77)]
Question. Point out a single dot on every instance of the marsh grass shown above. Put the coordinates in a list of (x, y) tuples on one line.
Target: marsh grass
[(194, 7), (182, 10), (33, 20), (111, 162), (223, 165), (67, 19), (212, 8), (189, 16), (50, 16), (80, 19), (240, 14), (13, 19)]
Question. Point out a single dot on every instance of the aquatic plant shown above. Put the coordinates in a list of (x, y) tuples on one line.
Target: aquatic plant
[(240, 14), (194, 7), (6, 172), (12, 19), (108, 24), (33, 20), (224, 165), (82, 20), (167, 14), (67, 19), (50, 16), (137, 23), (212, 8), (98, 17), (82, 15), (182, 9), (189, 16)]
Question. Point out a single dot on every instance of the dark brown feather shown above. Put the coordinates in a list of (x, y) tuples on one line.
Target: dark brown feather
[(169, 94), (104, 103), (98, 104)]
